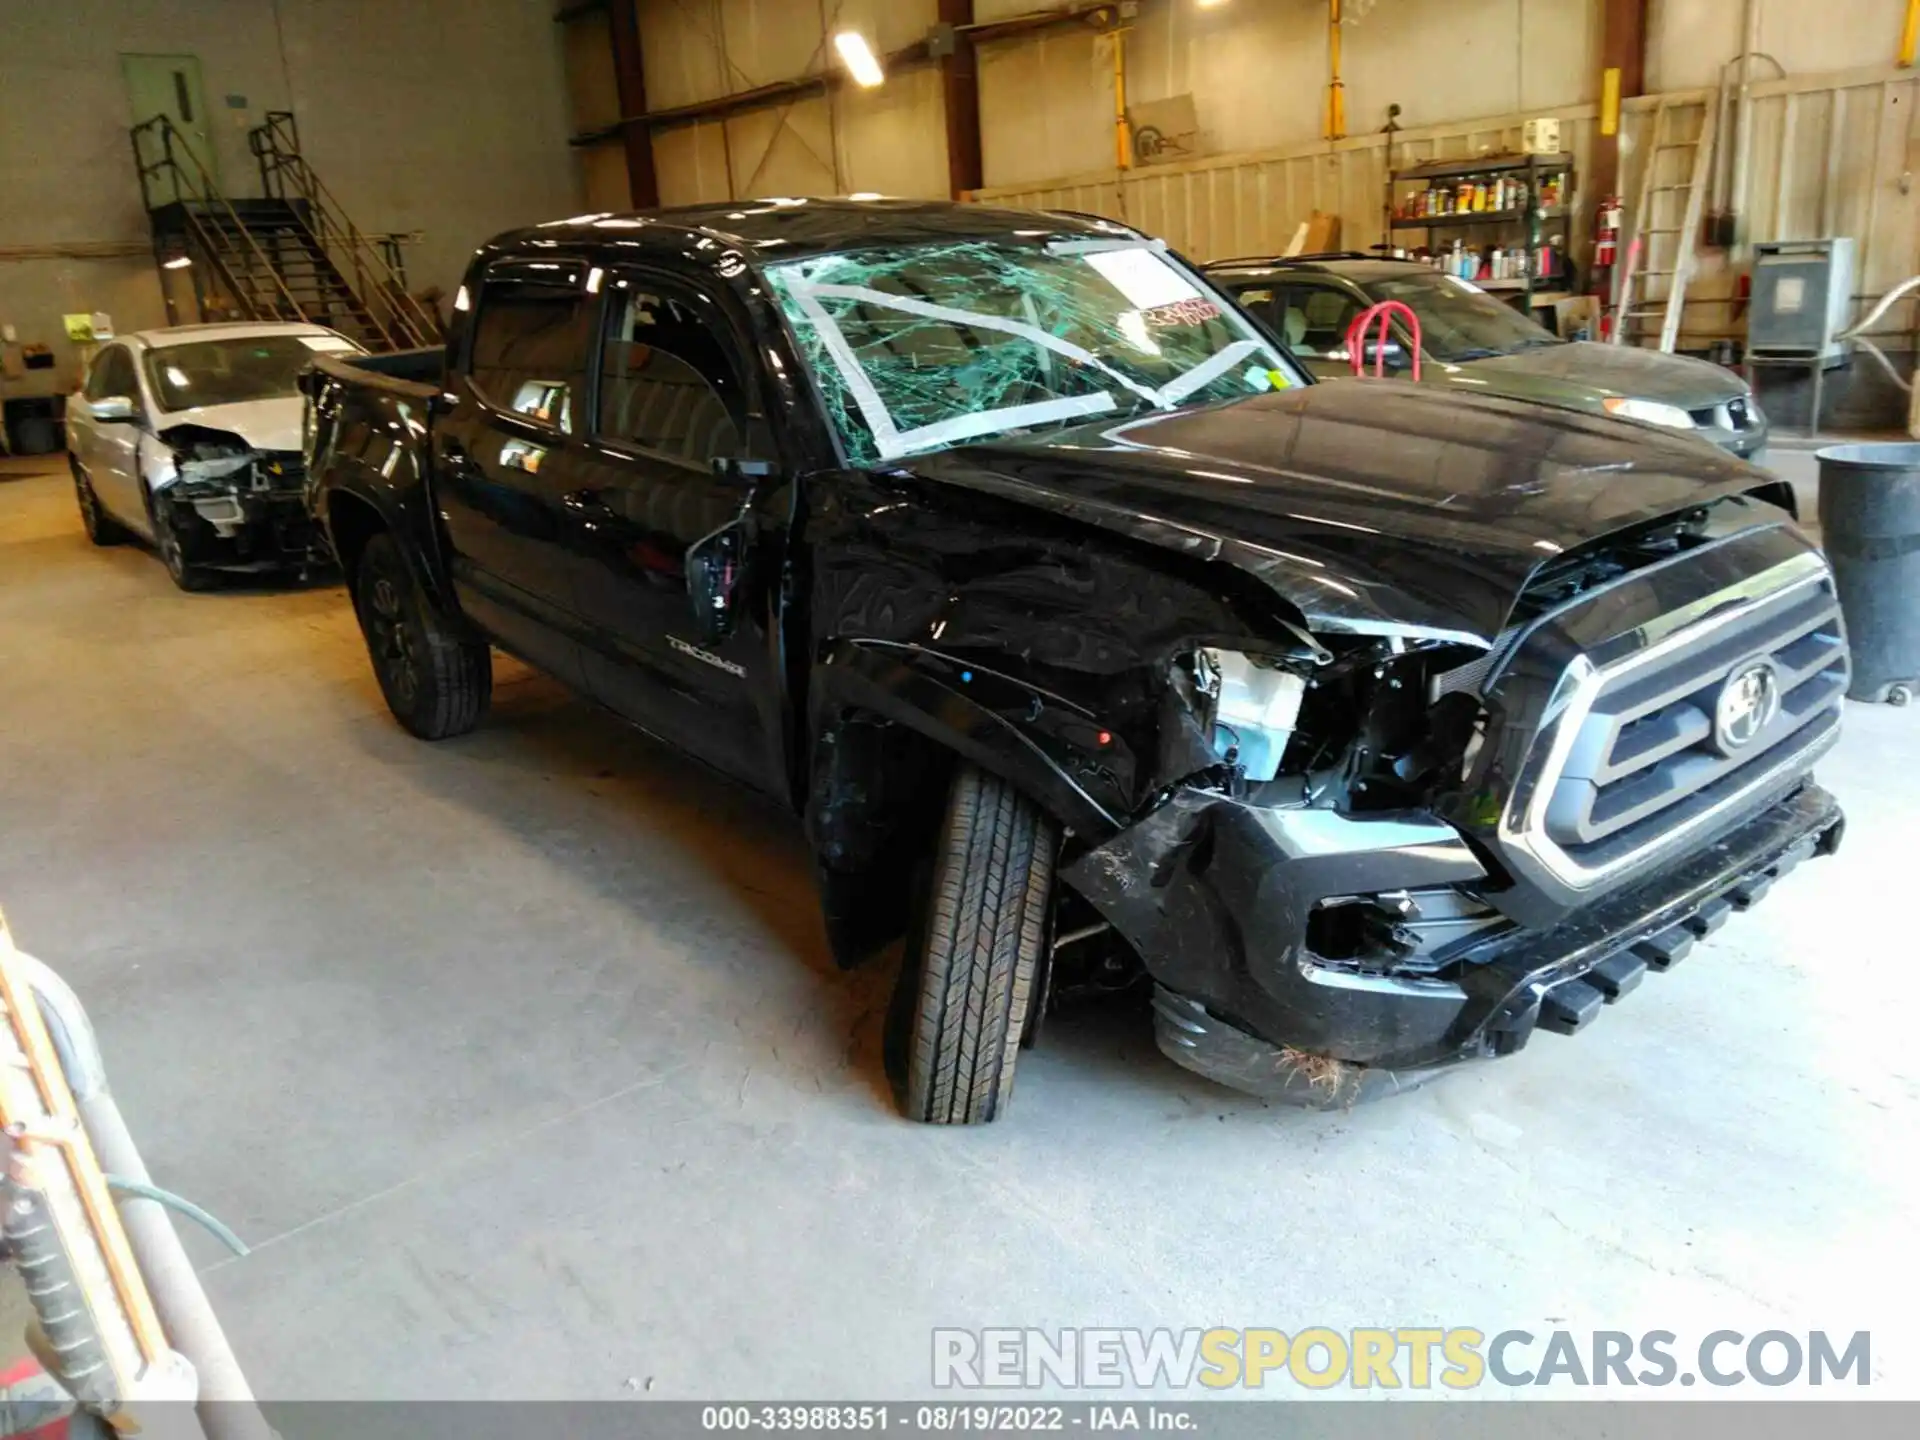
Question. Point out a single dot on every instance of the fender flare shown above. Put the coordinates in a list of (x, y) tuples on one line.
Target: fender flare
[(853, 676), (417, 549)]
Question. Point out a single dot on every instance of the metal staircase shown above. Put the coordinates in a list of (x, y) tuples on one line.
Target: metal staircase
[(288, 254)]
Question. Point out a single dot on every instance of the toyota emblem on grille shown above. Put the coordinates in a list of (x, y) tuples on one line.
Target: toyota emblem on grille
[(1748, 703)]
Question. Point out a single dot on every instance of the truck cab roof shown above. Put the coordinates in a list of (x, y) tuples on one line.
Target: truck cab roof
[(792, 227)]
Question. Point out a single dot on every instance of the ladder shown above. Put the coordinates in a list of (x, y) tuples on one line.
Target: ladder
[(1659, 251)]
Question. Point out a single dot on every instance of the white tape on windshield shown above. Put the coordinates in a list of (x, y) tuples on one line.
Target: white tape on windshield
[(1040, 412), (1089, 247), (1031, 333), (886, 435), (1205, 373)]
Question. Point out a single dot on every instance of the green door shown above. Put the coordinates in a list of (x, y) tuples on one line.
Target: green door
[(169, 85)]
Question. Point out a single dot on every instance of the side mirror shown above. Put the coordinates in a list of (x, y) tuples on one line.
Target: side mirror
[(713, 581), (113, 409), (1392, 355)]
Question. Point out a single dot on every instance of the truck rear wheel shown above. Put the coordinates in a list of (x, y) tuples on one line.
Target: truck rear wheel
[(972, 952), (437, 682)]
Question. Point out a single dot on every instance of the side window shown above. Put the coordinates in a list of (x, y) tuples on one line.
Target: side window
[(1316, 319), (530, 342), (113, 375), (668, 381)]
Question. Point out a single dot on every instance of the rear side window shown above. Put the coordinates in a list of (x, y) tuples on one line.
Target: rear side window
[(530, 342)]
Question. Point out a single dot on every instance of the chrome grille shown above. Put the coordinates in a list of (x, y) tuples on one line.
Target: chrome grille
[(1645, 758)]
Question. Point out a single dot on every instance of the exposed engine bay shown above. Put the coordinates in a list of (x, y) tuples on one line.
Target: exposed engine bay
[(234, 507), (1325, 856)]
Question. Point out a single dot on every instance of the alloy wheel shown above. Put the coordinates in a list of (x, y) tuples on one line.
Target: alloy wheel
[(392, 639)]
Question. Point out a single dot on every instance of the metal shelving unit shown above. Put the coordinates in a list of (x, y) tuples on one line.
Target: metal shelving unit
[(1534, 168)]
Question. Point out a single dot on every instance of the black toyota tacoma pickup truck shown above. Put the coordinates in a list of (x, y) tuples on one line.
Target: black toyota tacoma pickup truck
[(1375, 729)]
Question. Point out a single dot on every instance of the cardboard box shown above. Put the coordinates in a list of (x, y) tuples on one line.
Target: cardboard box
[(1317, 235), (1575, 314)]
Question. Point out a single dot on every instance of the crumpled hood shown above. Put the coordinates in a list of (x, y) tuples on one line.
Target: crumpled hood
[(264, 424), (1601, 370), (1368, 505)]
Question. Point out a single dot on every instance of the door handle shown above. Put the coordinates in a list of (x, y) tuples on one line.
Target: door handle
[(586, 502), (453, 458)]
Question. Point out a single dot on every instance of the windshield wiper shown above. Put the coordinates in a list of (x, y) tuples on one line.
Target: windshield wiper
[(1477, 352)]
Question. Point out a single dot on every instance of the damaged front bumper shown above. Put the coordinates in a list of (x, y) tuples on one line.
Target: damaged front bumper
[(244, 513), (241, 531), (1216, 896)]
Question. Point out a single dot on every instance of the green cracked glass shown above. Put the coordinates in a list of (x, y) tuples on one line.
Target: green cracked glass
[(920, 347)]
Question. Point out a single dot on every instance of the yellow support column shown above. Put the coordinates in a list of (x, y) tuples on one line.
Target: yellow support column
[(1337, 92)]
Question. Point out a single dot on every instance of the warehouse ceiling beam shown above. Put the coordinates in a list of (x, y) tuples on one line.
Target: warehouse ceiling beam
[(630, 83), (960, 89), (800, 87)]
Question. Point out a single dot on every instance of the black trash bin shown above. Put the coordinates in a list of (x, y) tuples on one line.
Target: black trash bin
[(1870, 521), (33, 424)]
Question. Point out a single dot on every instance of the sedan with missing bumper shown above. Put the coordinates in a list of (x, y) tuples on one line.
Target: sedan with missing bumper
[(189, 439)]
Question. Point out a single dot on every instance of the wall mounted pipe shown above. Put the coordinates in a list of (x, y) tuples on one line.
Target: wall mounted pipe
[(1743, 130)]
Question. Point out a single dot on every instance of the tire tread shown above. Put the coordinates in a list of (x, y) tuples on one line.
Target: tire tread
[(985, 925), (456, 673)]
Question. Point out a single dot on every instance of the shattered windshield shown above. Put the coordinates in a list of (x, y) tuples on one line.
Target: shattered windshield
[(229, 372), (919, 347)]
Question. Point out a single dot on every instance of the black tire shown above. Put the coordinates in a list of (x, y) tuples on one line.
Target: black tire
[(101, 528), (972, 953), (437, 681), (191, 578)]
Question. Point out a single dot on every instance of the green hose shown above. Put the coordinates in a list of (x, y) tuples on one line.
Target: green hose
[(185, 1207)]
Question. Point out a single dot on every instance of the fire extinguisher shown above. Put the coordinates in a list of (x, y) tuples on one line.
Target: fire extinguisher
[(1606, 231)]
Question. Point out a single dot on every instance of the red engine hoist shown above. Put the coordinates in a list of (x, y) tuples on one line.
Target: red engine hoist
[(1385, 312)]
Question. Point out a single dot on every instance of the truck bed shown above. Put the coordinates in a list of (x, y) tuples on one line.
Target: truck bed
[(417, 373)]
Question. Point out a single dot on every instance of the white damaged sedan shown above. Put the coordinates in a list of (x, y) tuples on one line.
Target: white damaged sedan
[(190, 438)]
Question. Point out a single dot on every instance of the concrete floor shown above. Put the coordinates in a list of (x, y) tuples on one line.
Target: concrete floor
[(521, 1062)]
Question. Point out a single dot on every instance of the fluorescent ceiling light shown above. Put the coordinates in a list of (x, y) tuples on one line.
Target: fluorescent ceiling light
[(857, 55), (179, 262)]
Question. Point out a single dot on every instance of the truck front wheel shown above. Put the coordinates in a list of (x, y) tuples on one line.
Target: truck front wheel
[(437, 682), (973, 949)]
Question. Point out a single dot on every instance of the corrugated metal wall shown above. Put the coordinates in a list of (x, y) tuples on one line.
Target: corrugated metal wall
[(1831, 156), (891, 140), (1829, 150)]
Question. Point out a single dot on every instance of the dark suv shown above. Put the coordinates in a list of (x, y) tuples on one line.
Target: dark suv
[(1471, 341), (1378, 727)]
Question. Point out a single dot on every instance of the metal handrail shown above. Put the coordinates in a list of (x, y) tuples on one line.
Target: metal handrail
[(276, 145), (207, 193)]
